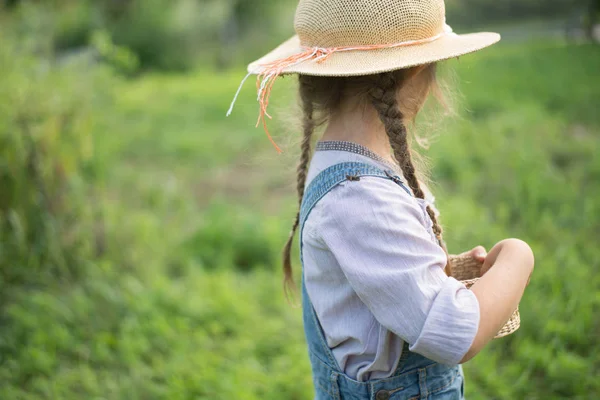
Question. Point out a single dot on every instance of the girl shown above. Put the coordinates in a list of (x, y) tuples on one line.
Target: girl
[(382, 318)]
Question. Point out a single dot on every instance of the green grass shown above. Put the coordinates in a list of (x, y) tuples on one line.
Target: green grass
[(186, 301)]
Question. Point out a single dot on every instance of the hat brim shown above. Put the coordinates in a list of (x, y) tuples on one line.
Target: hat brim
[(366, 62)]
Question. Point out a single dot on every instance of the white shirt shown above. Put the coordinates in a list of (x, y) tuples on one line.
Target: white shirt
[(374, 273)]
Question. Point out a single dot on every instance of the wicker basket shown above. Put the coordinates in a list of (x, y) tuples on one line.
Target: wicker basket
[(467, 269)]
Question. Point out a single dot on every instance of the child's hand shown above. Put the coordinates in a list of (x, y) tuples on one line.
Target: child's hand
[(478, 253)]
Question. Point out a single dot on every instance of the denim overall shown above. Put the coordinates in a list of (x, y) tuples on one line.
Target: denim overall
[(416, 377)]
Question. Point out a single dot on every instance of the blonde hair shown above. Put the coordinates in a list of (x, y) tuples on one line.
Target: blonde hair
[(397, 97)]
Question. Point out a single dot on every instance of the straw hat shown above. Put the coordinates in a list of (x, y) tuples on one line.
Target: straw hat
[(362, 37)]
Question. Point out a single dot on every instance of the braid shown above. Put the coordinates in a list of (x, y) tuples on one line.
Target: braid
[(308, 126), (383, 95)]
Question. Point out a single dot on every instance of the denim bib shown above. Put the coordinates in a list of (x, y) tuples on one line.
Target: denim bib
[(416, 377)]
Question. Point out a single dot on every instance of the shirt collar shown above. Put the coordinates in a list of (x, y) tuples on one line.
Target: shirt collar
[(351, 147), (341, 145)]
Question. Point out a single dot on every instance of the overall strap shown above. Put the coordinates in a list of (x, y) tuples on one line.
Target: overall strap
[(336, 174), (316, 190)]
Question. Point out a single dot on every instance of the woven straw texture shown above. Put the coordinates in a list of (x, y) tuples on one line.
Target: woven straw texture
[(335, 23), (467, 269), (346, 23)]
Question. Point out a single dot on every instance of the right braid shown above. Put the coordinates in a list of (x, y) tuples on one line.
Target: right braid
[(308, 125), (383, 94)]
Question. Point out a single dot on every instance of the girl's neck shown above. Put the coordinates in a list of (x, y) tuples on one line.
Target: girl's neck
[(361, 126)]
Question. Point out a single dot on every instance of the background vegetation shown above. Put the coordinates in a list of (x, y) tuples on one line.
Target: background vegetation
[(140, 230)]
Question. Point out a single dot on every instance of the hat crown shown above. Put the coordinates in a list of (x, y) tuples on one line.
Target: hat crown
[(342, 23)]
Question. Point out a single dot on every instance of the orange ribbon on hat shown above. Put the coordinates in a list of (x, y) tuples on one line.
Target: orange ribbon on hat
[(272, 70)]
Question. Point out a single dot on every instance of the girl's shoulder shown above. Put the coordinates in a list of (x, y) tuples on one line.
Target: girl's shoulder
[(369, 204)]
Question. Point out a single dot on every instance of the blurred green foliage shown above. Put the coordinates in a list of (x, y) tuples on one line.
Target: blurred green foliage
[(476, 12), (231, 240), (161, 34), (46, 224), (140, 230)]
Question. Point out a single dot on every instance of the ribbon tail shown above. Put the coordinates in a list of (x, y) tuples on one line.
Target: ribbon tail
[(270, 137), (237, 94)]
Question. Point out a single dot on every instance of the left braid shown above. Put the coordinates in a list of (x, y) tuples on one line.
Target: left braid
[(308, 127)]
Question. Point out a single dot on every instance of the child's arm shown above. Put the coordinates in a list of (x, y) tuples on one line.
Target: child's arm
[(506, 271)]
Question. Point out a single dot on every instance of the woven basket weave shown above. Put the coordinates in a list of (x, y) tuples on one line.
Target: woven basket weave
[(467, 269)]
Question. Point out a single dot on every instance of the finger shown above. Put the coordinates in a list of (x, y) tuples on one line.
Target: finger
[(479, 253)]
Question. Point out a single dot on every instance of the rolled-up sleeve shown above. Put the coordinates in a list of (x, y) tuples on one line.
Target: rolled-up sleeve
[(380, 238)]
